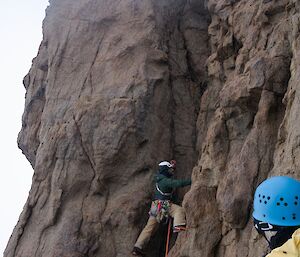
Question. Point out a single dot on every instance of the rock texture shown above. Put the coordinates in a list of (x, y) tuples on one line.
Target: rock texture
[(119, 85)]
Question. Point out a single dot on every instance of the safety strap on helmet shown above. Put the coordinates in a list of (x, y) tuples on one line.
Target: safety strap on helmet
[(275, 235)]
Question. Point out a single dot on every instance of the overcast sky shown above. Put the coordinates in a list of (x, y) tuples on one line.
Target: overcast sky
[(21, 34)]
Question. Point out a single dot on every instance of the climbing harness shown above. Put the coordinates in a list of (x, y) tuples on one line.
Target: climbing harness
[(161, 192), (160, 209)]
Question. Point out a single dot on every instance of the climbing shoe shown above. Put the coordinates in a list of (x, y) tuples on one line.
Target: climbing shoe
[(137, 251), (177, 229)]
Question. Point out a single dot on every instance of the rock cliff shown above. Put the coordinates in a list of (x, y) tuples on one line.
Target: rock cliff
[(118, 86)]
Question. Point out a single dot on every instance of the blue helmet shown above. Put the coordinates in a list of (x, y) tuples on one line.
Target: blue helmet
[(277, 201)]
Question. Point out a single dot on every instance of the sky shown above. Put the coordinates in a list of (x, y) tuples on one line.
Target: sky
[(20, 36)]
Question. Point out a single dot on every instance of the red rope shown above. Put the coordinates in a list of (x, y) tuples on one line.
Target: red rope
[(168, 237)]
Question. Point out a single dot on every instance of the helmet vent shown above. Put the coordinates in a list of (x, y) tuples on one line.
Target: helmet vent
[(285, 204), (278, 204), (283, 218), (264, 199), (294, 216), (296, 203), (296, 197), (281, 199)]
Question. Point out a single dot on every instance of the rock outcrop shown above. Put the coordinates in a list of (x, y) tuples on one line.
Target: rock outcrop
[(248, 107), (118, 86)]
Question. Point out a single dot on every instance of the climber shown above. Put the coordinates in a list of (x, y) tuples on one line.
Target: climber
[(277, 215), (162, 206)]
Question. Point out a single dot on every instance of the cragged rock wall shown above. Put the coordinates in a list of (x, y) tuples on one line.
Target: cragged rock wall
[(119, 85), (110, 94), (247, 125)]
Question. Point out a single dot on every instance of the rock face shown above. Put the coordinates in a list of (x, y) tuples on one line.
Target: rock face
[(118, 86)]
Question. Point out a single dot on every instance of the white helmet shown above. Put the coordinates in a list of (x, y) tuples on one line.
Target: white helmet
[(166, 163)]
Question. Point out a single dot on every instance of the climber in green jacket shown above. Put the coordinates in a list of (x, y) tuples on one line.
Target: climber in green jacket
[(162, 206), (277, 215)]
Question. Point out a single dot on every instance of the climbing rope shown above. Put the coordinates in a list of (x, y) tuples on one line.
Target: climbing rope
[(168, 237)]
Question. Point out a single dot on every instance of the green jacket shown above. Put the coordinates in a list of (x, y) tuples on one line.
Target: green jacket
[(165, 186)]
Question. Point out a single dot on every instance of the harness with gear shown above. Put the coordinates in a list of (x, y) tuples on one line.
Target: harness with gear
[(160, 209)]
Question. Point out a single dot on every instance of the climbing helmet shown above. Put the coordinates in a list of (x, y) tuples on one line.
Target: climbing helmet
[(171, 164), (277, 201)]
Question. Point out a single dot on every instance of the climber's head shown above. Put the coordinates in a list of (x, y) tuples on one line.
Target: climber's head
[(167, 168), (277, 209)]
